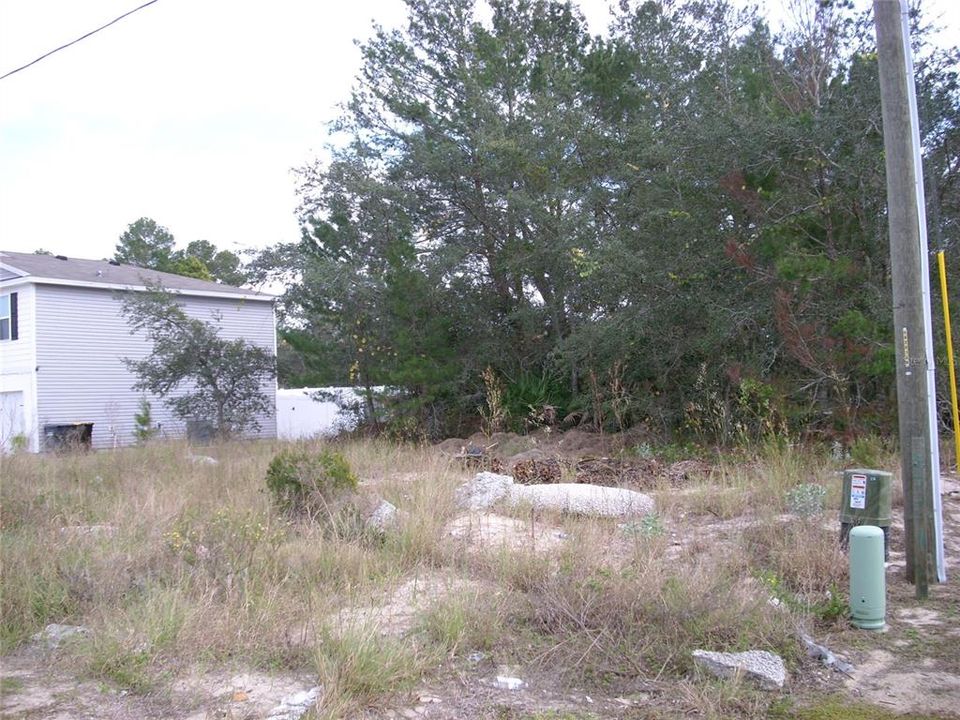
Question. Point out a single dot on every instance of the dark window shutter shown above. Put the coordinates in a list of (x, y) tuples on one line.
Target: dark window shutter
[(13, 316)]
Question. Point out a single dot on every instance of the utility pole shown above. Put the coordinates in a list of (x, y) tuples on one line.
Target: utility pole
[(907, 263)]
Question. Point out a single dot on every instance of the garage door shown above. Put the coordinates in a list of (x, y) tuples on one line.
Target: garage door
[(11, 420)]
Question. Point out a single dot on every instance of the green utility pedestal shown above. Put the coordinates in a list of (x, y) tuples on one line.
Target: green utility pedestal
[(868, 579), (865, 500)]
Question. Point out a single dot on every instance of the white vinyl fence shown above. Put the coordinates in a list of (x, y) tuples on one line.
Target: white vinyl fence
[(313, 412)]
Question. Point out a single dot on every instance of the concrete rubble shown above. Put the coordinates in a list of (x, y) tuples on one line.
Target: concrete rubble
[(824, 655), (383, 517), (295, 706), (76, 531), (583, 499), (760, 666), (486, 489), (55, 633)]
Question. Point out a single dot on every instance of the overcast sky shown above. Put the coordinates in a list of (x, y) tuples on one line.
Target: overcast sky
[(191, 112)]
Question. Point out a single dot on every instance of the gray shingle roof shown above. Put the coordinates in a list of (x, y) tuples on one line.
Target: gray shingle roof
[(74, 270)]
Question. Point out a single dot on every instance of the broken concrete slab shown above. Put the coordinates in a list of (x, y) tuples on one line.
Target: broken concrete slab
[(483, 491), (55, 633), (96, 531), (760, 666), (583, 499), (295, 706), (383, 517), (824, 655), (486, 489)]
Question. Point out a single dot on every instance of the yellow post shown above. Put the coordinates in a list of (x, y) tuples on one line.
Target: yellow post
[(953, 373)]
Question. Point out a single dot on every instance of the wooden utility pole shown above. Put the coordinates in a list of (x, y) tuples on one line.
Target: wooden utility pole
[(908, 319)]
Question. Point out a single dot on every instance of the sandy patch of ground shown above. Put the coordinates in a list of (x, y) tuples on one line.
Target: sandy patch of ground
[(23, 696), (919, 617), (398, 613), (485, 532), (243, 695), (901, 686), (34, 686)]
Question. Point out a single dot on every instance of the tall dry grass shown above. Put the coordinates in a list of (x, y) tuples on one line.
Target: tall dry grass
[(194, 564), (95, 539)]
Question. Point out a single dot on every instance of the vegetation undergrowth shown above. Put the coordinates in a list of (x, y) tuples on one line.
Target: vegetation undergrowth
[(168, 562), (357, 665), (836, 707)]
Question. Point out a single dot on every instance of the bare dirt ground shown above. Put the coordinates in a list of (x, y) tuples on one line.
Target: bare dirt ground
[(912, 667)]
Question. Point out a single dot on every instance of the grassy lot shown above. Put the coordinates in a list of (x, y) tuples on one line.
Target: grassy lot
[(174, 565)]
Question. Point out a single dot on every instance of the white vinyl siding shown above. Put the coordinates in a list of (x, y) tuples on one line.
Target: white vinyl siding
[(17, 356), (83, 339)]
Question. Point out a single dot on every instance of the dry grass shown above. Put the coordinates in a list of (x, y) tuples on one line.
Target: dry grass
[(359, 665), (193, 564)]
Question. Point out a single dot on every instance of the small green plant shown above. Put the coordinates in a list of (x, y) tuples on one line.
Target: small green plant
[(18, 443), (649, 526), (676, 451), (806, 500), (10, 685), (644, 451), (304, 482), (143, 429), (833, 607)]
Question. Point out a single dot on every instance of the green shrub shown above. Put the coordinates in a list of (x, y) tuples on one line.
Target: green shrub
[(525, 398), (872, 451), (807, 500), (649, 526), (143, 428), (302, 481)]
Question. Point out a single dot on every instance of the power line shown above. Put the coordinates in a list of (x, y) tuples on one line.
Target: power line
[(74, 42)]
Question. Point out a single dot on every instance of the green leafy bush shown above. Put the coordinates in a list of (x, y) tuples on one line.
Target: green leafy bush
[(529, 400), (143, 428), (648, 526), (807, 500), (873, 451), (303, 481)]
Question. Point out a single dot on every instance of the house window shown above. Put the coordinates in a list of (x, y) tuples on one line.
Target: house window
[(8, 317)]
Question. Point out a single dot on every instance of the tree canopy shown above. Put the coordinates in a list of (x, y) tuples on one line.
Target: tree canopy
[(147, 244), (201, 376), (680, 224)]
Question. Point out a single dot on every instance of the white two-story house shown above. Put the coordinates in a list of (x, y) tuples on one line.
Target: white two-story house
[(63, 342)]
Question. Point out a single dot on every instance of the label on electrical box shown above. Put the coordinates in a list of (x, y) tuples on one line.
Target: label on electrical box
[(858, 492)]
